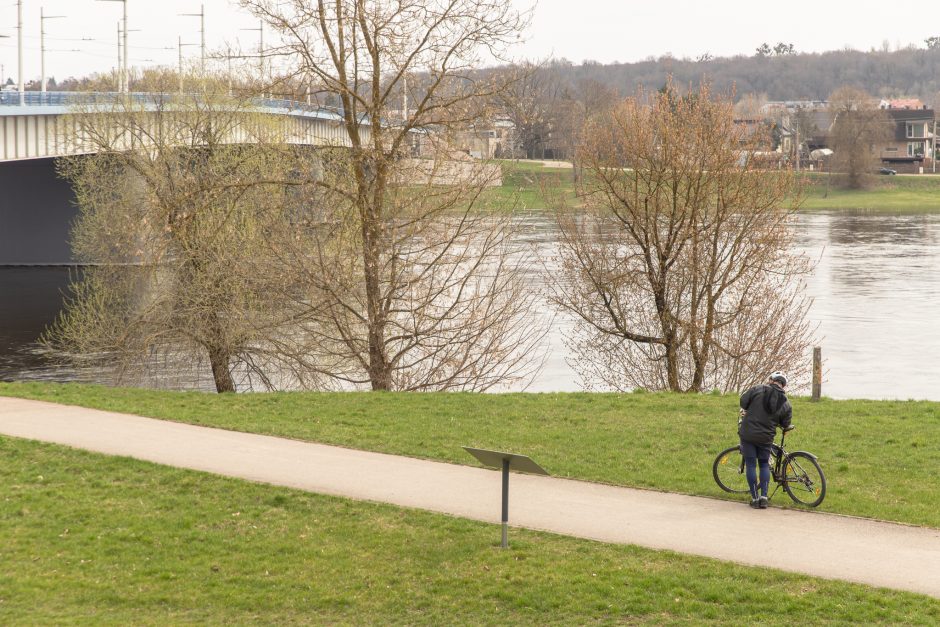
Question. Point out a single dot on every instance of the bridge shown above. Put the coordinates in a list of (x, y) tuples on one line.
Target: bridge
[(40, 128), (37, 207)]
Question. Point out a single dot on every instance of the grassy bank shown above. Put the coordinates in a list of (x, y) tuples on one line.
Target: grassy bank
[(524, 181), (528, 186), (879, 456), (905, 194), (90, 539)]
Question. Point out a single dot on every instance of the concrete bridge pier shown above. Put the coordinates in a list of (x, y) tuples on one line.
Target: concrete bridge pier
[(36, 211)]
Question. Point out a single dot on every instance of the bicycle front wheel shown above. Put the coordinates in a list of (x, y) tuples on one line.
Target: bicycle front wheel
[(804, 480), (728, 471)]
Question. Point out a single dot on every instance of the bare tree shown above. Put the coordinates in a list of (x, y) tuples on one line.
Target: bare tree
[(750, 106), (803, 123), (596, 97), (405, 284), (779, 50), (859, 129), (532, 102), (175, 201), (681, 273)]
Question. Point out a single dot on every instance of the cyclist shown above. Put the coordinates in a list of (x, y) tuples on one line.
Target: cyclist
[(763, 409)]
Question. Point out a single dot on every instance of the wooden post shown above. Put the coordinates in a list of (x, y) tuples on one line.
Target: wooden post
[(817, 372)]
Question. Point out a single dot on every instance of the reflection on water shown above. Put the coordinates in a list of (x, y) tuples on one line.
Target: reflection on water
[(876, 294), (30, 299), (876, 297)]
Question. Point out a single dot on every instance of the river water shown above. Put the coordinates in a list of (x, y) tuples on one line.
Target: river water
[(875, 291)]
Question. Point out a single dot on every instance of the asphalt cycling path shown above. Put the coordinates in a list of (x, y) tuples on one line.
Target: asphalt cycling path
[(836, 547)]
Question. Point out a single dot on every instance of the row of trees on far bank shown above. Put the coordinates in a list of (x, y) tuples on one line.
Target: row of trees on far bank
[(212, 241)]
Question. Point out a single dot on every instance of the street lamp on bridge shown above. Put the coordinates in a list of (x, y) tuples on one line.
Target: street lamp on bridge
[(2, 68), (120, 35), (202, 33), (179, 47), (42, 43), (126, 74), (260, 30), (19, 51)]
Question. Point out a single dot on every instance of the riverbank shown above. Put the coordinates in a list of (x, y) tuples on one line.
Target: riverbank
[(879, 456), (886, 194), (524, 182)]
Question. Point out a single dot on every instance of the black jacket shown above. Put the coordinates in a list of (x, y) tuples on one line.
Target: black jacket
[(767, 408)]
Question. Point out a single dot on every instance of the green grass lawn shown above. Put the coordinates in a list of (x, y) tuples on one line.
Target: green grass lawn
[(530, 186), (98, 540), (880, 457), (886, 194), (524, 184)]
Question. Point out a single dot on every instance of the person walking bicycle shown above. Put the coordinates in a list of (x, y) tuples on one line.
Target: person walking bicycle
[(764, 408)]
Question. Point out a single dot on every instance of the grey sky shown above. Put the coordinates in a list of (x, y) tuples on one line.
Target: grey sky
[(600, 30), (631, 30)]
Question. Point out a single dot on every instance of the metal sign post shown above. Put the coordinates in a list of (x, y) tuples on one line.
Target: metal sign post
[(506, 461)]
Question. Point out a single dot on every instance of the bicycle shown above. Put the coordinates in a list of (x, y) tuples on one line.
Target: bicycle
[(799, 473)]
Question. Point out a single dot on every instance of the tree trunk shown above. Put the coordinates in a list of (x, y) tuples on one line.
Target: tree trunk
[(698, 377), (672, 365), (220, 373), (371, 212), (379, 373)]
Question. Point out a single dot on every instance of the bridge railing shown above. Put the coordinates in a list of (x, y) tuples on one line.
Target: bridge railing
[(60, 98), (74, 98)]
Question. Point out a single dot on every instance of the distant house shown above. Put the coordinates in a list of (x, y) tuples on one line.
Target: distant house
[(902, 103), (822, 121), (758, 142), (913, 143), (507, 144), (799, 126), (497, 139), (913, 129), (479, 143), (752, 126)]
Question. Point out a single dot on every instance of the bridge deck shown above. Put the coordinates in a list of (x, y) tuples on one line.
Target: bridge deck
[(40, 127)]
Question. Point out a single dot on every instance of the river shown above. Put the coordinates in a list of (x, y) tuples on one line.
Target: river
[(875, 291)]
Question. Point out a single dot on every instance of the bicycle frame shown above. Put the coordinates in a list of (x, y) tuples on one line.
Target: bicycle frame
[(780, 454)]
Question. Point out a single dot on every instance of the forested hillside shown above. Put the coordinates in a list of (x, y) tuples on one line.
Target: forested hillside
[(907, 72)]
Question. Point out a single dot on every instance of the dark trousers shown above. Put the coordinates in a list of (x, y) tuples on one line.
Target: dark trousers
[(756, 455)]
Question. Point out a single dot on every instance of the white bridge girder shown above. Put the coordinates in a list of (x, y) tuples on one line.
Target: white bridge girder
[(38, 132)]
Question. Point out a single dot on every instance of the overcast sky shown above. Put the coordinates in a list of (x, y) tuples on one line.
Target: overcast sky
[(600, 30)]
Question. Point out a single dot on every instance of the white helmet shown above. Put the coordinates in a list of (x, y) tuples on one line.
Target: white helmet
[(779, 377)]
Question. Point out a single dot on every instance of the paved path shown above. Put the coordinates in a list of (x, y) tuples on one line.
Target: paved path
[(876, 553)]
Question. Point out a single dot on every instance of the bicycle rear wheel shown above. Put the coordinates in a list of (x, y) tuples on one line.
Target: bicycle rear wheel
[(804, 480), (728, 471)]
